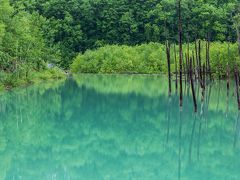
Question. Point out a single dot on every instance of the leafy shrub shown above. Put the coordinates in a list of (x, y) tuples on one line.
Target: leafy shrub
[(148, 58)]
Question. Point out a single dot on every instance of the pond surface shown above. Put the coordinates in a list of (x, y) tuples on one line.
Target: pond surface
[(118, 127)]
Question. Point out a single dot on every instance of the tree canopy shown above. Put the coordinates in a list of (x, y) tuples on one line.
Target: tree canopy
[(78, 25), (23, 47)]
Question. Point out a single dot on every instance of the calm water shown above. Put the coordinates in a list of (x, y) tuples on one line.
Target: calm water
[(117, 127)]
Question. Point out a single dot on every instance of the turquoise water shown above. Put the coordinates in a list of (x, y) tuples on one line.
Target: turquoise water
[(118, 127)]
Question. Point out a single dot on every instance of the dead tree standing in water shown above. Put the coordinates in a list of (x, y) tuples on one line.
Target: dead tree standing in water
[(237, 85), (209, 64), (192, 85), (180, 50), (236, 73), (176, 70), (169, 66), (228, 71), (200, 64), (197, 62), (194, 66)]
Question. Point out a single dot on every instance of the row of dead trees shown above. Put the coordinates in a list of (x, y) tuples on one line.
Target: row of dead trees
[(191, 69), (195, 68)]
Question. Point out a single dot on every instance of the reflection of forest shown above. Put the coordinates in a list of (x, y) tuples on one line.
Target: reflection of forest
[(90, 129)]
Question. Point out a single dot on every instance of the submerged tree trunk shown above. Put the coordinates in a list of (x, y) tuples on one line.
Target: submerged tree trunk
[(237, 85), (192, 86), (169, 66), (194, 66), (180, 49), (208, 65), (200, 63), (204, 76), (197, 61), (188, 60), (186, 68), (228, 70), (176, 71)]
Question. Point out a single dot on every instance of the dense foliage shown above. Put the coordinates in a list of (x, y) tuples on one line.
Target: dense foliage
[(149, 58), (77, 25), (23, 48)]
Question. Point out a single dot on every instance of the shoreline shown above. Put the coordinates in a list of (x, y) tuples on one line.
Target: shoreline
[(36, 77), (64, 75)]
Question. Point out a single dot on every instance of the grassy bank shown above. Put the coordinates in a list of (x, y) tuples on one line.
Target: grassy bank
[(11, 80), (148, 58)]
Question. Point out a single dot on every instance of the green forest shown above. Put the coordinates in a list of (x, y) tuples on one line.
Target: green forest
[(109, 36)]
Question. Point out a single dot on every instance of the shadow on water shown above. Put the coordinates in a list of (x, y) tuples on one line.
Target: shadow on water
[(118, 127)]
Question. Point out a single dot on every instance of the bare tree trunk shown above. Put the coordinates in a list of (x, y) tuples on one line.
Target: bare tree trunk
[(180, 49), (194, 66), (199, 61), (228, 70), (188, 60), (192, 85), (187, 68), (238, 39), (169, 66), (204, 76), (176, 71), (209, 64), (237, 86)]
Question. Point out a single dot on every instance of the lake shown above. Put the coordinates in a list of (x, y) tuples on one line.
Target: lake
[(118, 127)]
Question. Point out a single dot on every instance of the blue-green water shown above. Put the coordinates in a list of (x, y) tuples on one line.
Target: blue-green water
[(118, 127)]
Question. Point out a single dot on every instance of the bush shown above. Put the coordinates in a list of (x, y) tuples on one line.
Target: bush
[(148, 58)]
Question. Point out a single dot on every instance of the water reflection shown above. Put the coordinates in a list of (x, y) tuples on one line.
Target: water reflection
[(118, 127)]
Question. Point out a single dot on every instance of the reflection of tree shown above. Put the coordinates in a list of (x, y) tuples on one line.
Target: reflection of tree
[(80, 127), (192, 135), (168, 117), (180, 144), (145, 84), (237, 129)]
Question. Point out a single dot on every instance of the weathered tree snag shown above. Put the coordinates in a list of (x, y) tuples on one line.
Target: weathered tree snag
[(185, 69), (204, 76), (206, 54), (180, 50), (203, 82), (176, 71), (192, 86), (208, 60), (169, 66), (219, 69), (228, 70), (194, 66), (188, 61), (237, 85), (184, 74), (199, 61)]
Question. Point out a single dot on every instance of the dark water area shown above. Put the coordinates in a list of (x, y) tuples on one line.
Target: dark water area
[(118, 127)]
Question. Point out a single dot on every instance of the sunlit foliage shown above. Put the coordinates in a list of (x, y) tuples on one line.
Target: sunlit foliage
[(149, 58)]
